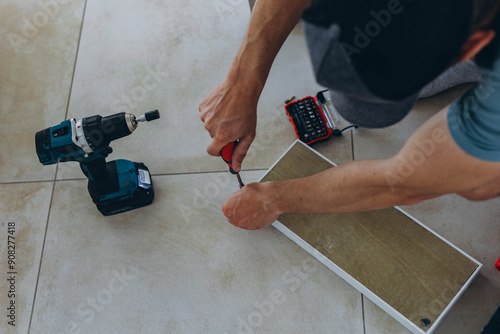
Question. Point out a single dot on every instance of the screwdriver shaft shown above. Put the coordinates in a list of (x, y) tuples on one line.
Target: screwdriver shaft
[(239, 180)]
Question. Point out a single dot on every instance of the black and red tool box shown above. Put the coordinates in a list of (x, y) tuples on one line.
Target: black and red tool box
[(310, 122)]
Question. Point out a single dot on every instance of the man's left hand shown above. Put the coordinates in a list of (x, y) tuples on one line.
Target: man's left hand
[(252, 207)]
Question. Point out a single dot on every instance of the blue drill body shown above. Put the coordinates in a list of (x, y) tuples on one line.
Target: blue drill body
[(115, 186)]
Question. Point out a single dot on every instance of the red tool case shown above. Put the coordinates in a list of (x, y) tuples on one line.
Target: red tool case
[(310, 122)]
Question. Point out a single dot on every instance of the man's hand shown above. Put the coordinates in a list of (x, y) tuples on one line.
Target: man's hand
[(251, 208), (230, 110), (230, 113)]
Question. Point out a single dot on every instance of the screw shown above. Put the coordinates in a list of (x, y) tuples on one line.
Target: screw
[(426, 322)]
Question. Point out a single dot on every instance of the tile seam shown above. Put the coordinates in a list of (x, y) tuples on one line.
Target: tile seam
[(168, 174), (25, 182), (42, 251), (57, 169), (363, 312), (76, 60)]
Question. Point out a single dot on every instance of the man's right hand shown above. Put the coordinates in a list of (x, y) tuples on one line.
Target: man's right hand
[(230, 113), (230, 110)]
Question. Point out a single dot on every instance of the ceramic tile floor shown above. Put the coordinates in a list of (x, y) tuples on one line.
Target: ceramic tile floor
[(177, 266)]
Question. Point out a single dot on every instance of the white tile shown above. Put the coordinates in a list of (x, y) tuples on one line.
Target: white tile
[(23, 207), (37, 54), (135, 57), (168, 56), (183, 269)]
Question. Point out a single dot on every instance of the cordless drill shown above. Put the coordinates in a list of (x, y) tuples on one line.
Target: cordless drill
[(116, 186)]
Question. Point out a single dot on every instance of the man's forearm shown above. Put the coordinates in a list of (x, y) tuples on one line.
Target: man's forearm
[(351, 187), (429, 165), (270, 24), (230, 109)]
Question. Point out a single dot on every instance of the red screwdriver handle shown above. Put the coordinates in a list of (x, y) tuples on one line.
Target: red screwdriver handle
[(227, 155)]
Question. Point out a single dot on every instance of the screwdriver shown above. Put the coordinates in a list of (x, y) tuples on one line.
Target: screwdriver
[(227, 155)]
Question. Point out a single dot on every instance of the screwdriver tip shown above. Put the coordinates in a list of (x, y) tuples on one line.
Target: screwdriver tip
[(239, 180)]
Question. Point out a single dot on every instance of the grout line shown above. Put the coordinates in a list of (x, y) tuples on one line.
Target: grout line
[(55, 174), (161, 174), (175, 174), (25, 182), (43, 249), (363, 312), (212, 172), (76, 59)]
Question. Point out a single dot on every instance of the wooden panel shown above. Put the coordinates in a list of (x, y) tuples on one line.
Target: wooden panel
[(399, 260)]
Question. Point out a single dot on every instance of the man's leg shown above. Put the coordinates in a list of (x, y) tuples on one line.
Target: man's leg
[(461, 73)]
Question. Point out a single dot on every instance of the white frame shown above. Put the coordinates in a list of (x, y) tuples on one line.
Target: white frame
[(360, 287)]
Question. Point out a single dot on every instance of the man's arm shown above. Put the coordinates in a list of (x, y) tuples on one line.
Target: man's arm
[(429, 165), (230, 110)]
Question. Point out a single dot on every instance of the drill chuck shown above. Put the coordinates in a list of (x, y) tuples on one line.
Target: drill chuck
[(100, 131)]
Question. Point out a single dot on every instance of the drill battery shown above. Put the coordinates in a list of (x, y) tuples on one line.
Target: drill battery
[(129, 186)]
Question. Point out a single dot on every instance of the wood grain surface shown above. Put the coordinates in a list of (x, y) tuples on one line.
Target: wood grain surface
[(399, 260)]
